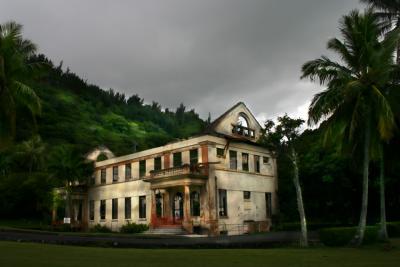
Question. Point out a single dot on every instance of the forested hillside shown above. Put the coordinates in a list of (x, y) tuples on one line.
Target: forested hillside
[(75, 112)]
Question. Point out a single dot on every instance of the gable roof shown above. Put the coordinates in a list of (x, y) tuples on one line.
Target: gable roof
[(212, 126)]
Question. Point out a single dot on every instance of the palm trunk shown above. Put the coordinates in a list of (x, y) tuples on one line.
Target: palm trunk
[(300, 205), (383, 235), (359, 236)]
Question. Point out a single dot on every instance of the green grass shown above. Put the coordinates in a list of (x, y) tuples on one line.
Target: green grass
[(28, 254)]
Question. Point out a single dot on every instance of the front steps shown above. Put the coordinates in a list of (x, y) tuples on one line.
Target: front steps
[(167, 230)]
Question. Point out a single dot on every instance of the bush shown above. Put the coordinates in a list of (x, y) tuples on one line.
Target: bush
[(98, 228), (341, 236), (133, 228), (393, 229)]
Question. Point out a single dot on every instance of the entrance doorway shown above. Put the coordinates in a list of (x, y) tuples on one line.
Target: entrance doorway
[(177, 209)]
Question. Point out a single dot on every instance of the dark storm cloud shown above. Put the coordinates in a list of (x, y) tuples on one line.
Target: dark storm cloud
[(208, 54)]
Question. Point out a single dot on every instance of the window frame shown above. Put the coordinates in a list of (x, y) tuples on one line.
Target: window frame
[(157, 163), (91, 210), (128, 174), (103, 210), (257, 167), (142, 168), (246, 195), (177, 161), (231, 158), (194, 159), (222, 203), (128, 208), (245, 164), (220, 155), (103, 176), (115, 174), (114, 209), (142, 208)]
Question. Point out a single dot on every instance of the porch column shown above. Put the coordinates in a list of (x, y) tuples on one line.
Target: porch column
[(167, 205), (187, 224), (153, 216)]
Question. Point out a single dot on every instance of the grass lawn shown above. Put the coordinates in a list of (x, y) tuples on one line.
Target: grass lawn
[(30, 254)]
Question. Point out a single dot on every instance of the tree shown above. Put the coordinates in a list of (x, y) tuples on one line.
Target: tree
[(389, 12), (354, 105), (31, 153), (70, 169), (15, 68), (281, 139)]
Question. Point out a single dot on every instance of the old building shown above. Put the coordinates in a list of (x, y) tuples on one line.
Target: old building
[(217, 182)]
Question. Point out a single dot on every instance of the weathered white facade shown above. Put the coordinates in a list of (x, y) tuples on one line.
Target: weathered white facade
[(218, 182)]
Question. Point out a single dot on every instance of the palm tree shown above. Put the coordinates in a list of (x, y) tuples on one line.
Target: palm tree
[(388, 11), (354, 104), (15, 68), (31, 153)]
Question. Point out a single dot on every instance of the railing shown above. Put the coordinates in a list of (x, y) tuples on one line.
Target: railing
[(243, 131), (186, 169)]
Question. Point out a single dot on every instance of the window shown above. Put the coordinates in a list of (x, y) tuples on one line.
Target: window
[(115, 173), (142, 168), (103, 176), (157, 163), (232, 160), (102, 209), (115, 208), (128, 171), (222, 202), (91, 210), (245, 162), (246, 195), (220, 152), (194, 156), (128, 207), (256, 164), (266, 160), (177, 159), (142, 207), (195, 203), (268, 204)]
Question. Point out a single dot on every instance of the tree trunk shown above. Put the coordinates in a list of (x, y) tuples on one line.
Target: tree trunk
[(300, 205), (359, 236), (383, 235), (398, 43)]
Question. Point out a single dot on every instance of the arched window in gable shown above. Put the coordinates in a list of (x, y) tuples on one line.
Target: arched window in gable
[(242, 126)]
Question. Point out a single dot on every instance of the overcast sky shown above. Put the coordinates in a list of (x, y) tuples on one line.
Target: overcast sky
[(208, 54)]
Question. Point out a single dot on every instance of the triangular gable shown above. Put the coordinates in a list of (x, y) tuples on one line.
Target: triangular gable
[(227, 123)]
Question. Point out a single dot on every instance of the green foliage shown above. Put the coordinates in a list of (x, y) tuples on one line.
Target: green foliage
[(393, 229), (341, 236), (98, 228), (133, 228)]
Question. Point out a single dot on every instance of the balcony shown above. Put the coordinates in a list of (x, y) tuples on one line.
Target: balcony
[(243, 131), (185, 173)]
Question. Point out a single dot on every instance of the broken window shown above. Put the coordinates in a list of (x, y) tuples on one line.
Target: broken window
[(245, 162), (232, 160), (222, 203)]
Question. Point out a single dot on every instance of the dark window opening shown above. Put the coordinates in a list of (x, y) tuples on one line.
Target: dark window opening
[(128, 171), (103, 176), (102, 209), (142, 168), (220, 152), (177, 159), (91, 210), (246, 195), (232, 160), (222, 202), (268, 204), (128, 208), (115, 173), (157, 163), (195, 203), (142, 207), (257, 164), (115, 208), (194, 156), (245, 162)]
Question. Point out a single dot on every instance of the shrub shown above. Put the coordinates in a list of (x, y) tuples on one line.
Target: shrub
[(393, 229), (98, 228), (133, 228), (341, 236)]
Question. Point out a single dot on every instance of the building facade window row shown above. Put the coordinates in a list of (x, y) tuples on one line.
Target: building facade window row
[(177, 161), (114, 209), (245, 159)]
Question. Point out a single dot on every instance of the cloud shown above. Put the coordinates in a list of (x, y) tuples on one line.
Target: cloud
[(208, 54)]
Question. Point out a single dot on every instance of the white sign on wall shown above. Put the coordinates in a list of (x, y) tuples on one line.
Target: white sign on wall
[(67, 220)]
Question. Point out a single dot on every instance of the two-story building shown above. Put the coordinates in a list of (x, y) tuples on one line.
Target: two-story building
[(219, 181)]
